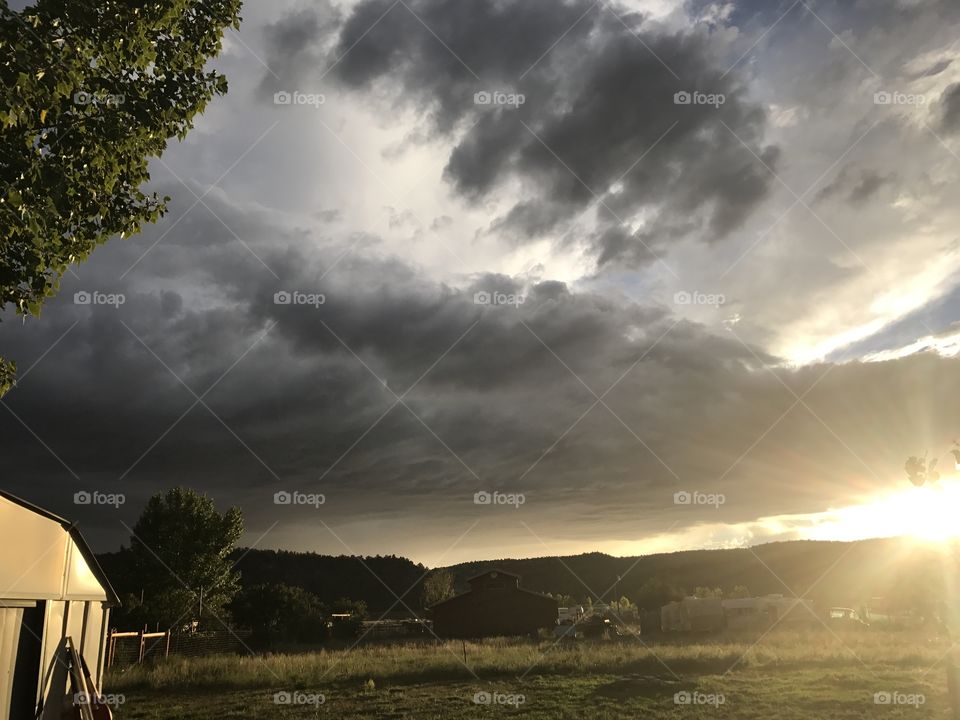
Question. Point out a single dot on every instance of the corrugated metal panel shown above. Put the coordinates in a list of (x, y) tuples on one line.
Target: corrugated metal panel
[(52, 633), (10, 619), (39, 560), (92, 634), (32, 553), (75, 621), (102, 656), (81, 583)]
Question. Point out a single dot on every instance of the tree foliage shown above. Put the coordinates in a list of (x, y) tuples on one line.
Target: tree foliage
[(655, 593), (702, 591), (180, 554), (281, 613), (348, 627), (378, 580), (8, 373), (89, 91), (437, 587), (564, 601), (624, 605)]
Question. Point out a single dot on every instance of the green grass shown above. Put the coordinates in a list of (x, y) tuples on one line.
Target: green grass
[(785, 676)]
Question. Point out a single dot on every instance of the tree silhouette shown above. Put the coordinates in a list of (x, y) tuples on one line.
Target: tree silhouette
[(180, 550)]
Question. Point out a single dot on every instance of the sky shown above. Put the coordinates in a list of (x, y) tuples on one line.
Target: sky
[(514, 278)]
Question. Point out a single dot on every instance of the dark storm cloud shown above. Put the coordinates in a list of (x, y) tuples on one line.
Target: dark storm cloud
[(855, 185), (500, 396), (595, 103), (950, 101), (934, 70), (868, 185), (296, 43), (502, 391)]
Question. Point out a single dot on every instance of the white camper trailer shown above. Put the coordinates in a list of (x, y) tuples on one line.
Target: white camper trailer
[(767, 610), (51, 589), (692, 614)]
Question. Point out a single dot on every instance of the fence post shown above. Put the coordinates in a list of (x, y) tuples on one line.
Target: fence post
[(110, 641), (141, 642), (166, 653)]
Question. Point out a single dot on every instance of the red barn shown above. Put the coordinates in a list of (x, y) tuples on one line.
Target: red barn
[(494, 605)]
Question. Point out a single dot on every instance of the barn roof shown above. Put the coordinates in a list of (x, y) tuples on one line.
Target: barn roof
[(46, 557), (488, 573)]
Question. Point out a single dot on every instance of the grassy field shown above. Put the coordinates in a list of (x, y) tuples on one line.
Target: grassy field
[(786, 675)]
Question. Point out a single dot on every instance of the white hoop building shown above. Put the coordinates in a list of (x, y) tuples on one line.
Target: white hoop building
[(51, 588)]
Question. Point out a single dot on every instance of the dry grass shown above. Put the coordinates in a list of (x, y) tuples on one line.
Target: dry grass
[(502, 658)]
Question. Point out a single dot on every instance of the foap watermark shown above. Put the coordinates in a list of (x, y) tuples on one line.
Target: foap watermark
[(695, 297), (110, 699), (298, 697), (498, 498), (295, 97), (95, 497), (295, 297), (95, 297), (699, 498), (898, 698), (83, 97), (888, 97), (514, 700), (685, 697), (695, 97), (295, 497), (495, 97), (498, 298)]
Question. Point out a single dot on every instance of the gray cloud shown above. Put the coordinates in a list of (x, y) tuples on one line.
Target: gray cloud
[(502, 390), (502, 402), (595, 103), (950, 100), (855, 185), (296, 46)]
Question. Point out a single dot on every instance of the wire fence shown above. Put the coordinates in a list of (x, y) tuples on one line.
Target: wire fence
[(373, 630), (130, 648)]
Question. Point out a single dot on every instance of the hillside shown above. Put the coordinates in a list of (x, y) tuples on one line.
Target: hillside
[(831, 573)]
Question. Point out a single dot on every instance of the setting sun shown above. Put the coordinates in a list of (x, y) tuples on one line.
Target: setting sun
[(927, 513)]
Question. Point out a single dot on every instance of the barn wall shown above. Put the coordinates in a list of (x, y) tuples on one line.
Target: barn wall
[(488, 614)]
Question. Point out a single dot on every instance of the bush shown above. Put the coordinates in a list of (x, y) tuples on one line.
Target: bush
[(281, 613)]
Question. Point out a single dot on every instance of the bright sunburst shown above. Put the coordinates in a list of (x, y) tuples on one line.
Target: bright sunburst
[(926, 513)]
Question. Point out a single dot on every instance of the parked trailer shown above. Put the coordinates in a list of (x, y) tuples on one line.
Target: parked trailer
[(694, 614)]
